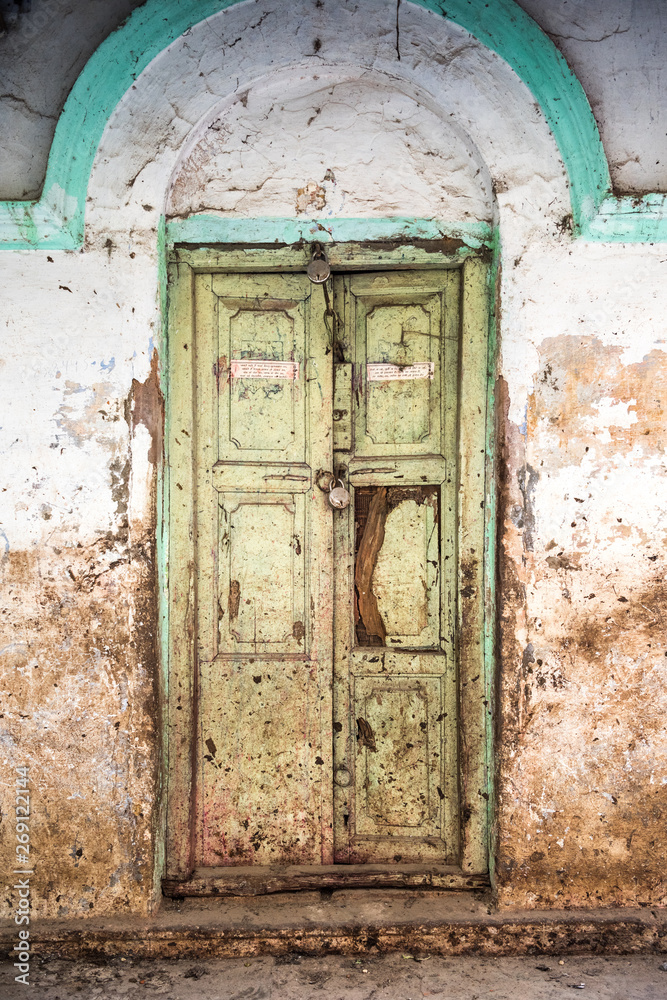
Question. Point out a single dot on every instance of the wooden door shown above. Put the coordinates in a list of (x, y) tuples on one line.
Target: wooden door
[(395, 734), (264, 572), (282, 750)]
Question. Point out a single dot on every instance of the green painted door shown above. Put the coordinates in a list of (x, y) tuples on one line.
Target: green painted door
[(395, 757), (327, 698), (264, 571)]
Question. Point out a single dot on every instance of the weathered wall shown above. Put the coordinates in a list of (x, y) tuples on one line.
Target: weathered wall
[(617, 49), (582, 761), (582, 757), (77, 653)]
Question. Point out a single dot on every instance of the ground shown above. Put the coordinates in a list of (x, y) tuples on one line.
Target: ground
[(336, 977)]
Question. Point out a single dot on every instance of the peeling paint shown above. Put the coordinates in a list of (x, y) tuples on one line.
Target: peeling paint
[(147, 408)]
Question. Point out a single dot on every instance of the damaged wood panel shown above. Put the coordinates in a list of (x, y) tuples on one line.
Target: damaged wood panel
[(397, 566), (367, 614)]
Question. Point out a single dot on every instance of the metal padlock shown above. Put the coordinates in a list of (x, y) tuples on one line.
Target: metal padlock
[(318, 269), (338, 495)]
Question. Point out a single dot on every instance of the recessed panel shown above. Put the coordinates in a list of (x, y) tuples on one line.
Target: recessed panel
[(398, 350), (260, 761), (261, 593), (260, 378), (398, 338), (399, 756)]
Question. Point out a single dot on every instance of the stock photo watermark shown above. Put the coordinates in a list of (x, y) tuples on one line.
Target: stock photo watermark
[(23, 868)]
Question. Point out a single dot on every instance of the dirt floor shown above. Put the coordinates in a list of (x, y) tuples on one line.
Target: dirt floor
[(383, 977)]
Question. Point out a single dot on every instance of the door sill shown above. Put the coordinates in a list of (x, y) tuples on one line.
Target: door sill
[(258, 880)]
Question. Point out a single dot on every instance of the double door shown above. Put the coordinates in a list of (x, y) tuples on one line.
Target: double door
[(322, 654)]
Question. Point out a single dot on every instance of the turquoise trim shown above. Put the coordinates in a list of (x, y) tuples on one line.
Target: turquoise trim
[(200, 229), (506, 29), (56, 221), (630, 220)]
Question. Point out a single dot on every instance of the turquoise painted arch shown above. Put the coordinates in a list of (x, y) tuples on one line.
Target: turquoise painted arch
[(57, 219)]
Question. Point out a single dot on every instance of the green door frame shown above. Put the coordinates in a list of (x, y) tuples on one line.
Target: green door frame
[(476, 512)]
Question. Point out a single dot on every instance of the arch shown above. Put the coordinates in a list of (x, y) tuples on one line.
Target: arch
[(56, 220)]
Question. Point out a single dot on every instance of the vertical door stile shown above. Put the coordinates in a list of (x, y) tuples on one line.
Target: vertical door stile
[(320, 381), (206, 524), (344, 746), (471, 519), (449, 557), (181, 576)]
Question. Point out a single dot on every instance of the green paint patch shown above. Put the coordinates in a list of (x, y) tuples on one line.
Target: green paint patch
[(214, 229)]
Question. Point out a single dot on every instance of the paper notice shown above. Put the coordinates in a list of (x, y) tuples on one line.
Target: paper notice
[(274, 370), (395, 373)]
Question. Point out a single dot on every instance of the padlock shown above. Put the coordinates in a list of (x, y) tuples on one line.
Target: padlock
[(318, 269), (338, 495)]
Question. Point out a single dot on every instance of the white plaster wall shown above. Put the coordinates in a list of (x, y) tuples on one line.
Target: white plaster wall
[(618, 51), (364, 147), (41, 55)]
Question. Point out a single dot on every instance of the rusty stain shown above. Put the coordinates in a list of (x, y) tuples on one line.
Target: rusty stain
[(298, 631), (82, 646), (220, 371), (577, 375), (147, 408), (234, 599), (365, 735), (310, 198), (575, 691)]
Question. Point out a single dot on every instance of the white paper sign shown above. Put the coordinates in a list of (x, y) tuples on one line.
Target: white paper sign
[(251, 368), (394, 373)]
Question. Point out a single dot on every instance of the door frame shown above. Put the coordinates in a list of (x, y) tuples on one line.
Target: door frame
[(475, 615)]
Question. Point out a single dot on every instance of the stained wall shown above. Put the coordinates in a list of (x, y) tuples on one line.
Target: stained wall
[(446, 132)]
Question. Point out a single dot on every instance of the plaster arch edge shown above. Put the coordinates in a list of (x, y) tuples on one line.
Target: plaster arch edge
[(56, 220)]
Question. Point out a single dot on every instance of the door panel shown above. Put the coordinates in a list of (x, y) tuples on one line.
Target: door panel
[(405, 577), (264, 568), (396, 321), (262, 572), (261, 419), (398, 768), (396, 790)]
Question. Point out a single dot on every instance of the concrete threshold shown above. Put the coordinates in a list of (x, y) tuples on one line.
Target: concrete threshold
[(349, 922)]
